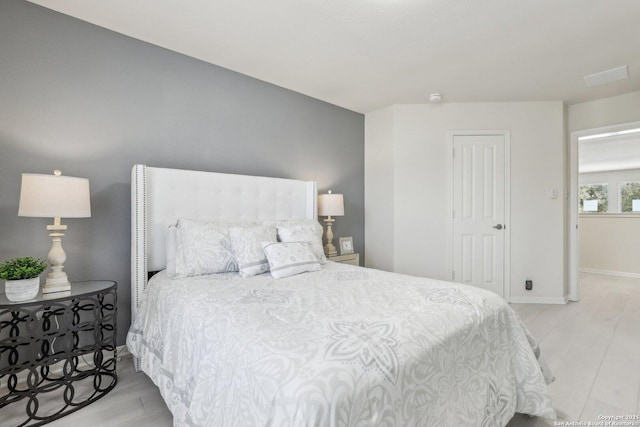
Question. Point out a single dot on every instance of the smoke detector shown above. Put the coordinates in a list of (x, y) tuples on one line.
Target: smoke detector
[(435, 98)]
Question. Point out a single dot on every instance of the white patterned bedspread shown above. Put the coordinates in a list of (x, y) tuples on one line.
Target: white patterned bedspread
[(345, 346)]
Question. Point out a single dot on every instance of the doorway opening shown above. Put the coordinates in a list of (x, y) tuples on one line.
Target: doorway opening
[(604, 181)]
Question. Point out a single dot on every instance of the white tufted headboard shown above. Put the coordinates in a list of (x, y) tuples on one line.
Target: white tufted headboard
[(160, 196)]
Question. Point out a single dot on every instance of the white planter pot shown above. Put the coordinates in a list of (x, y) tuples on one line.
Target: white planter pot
[(22, 290)]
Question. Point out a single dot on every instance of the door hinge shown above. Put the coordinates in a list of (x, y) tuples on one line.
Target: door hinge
[(453, 275), (453, 213), (453, 152)]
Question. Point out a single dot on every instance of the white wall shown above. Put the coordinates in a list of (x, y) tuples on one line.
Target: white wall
[(378, 190), (604, 112), (610, 243), (421, 175)]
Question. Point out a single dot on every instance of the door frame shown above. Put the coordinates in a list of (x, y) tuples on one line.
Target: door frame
[(506, 134), (573, 288)]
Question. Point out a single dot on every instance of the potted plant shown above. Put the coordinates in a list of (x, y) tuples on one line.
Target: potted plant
[(22, 277)]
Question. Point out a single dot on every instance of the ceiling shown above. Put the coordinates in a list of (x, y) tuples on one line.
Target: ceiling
[(610, 153), (368, 54)]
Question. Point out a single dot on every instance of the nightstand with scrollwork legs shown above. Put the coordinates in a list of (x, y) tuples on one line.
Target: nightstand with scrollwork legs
[(57, 352)]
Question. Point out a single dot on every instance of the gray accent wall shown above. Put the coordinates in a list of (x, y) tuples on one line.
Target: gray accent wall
[(92, 102)]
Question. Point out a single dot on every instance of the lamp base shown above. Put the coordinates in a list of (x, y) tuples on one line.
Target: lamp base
[(57, 280), (330, 250), (57, 288), (58, 284)]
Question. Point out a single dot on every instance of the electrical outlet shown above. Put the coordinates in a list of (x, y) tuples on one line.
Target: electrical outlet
[(528, 284)]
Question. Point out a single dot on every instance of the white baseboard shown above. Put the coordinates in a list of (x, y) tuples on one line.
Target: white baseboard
[(610, 273), (538, 300)]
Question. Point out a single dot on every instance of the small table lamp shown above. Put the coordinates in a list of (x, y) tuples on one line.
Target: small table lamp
[(55, 196), (330, 205)]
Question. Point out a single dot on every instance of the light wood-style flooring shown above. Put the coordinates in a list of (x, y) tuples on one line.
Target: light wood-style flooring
[(592, 347), (593, 350)]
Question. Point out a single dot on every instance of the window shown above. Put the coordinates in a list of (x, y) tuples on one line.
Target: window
[(594, 198), (630, 196)]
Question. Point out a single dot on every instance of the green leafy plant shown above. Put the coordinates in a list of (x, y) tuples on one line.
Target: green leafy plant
[(22, 268)]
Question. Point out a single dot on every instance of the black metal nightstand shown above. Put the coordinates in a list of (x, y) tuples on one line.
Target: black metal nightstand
[(57, 352)]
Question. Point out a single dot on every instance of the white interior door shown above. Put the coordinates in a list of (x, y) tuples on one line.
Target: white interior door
[(479, 225)]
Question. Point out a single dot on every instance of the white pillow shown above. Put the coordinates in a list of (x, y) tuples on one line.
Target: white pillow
[(287, 259), (305, 233), (313, 223), (247, 248), (203, 248)]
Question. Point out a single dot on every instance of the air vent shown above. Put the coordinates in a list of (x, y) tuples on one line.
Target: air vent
[(608, 76)]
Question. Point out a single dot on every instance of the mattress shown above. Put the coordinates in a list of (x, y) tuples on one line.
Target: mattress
[(344, 346)]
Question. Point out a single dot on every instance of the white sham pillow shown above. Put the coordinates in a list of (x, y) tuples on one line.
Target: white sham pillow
[(203, 248), (288, 259), (246, 243), (305, 233), (309, 222)]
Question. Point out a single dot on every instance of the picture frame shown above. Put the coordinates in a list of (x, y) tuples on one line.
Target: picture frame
[(346, 245)]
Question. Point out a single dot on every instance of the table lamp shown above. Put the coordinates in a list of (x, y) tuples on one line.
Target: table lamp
[(55, 196), (330, 205)]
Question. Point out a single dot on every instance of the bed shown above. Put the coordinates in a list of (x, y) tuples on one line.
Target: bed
[(336, 345)]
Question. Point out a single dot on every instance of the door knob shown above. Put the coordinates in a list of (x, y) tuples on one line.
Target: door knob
[(498, 227)]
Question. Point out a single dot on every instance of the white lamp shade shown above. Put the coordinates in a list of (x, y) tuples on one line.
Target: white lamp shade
[(51, 196), (330, 205)]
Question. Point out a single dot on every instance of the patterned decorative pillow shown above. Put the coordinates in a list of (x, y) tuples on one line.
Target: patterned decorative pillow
[(203, 248), (311, 223), (287, 259), (247, 248), (305, 233)]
